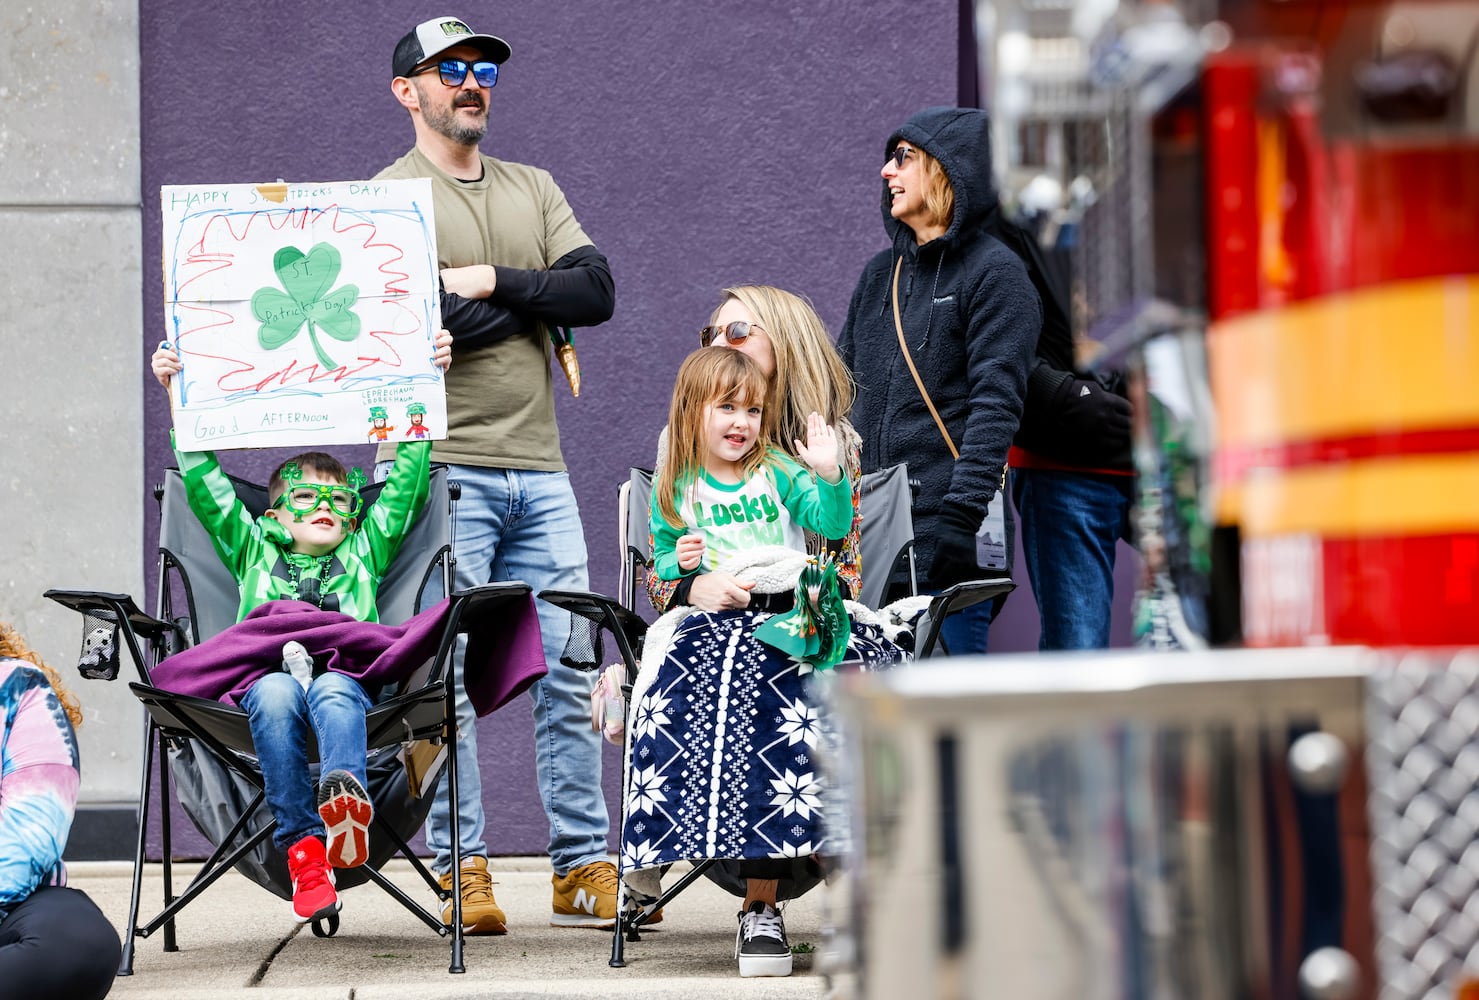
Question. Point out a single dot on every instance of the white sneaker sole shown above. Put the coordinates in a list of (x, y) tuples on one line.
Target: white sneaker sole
[(754, 966), (486, 925), (323, 914), (582, 920)]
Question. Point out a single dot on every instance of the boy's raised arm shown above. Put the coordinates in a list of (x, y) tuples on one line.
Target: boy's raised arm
[(212, 496), (406, 488), (392, 516)]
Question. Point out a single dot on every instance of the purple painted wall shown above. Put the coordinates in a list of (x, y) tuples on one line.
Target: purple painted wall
[(699, 145)]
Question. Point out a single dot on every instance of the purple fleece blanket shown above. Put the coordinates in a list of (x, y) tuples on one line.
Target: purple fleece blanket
[(504, 656)]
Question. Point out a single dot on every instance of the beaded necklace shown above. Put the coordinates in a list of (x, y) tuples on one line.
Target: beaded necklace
[(310, 588)]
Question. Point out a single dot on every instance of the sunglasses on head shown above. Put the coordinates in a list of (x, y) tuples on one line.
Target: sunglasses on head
[(735, 332), (899, 155), (454, 71)]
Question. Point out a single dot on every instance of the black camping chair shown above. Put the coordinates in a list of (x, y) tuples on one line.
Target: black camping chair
[(208, 746), (886, 540)]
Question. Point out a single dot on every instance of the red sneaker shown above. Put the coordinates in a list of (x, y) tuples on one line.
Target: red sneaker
[(313, 880), (345, 808)]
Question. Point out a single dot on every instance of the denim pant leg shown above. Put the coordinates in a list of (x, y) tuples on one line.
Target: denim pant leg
[(544, 545), (965, 632), (277, 711), (336, 708), (1071, 523), (482, 511), (520, 525)]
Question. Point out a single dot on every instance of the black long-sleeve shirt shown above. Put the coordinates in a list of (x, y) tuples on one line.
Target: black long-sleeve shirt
[(577, 290)]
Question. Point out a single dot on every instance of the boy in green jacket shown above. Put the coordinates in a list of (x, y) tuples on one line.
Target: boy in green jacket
[(311, 547)]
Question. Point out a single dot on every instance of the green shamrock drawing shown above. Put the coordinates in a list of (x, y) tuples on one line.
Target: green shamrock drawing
[(307, 277)]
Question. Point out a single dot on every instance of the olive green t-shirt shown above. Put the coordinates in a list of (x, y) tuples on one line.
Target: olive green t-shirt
[(500, 400)]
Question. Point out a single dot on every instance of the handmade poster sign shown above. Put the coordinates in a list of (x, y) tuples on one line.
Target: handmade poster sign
[(304, 314)]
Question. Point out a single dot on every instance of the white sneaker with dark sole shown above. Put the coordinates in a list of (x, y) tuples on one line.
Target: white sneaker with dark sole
[(760, 944)]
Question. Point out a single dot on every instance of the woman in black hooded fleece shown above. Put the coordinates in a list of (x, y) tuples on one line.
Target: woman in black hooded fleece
[(971, 317)]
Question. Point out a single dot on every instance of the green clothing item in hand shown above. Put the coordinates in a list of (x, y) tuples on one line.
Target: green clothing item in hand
[(816, 630)]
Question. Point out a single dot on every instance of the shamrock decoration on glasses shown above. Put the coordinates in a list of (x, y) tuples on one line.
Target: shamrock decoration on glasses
[(307, 279)]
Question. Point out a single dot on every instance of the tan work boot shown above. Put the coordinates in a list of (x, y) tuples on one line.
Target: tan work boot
[(586, 897), (480, 912)]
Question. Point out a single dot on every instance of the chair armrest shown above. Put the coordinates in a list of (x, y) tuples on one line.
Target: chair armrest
[(953, 599), (485, 597), (605, 612), (131, 624), (470, 608), (113, 607)]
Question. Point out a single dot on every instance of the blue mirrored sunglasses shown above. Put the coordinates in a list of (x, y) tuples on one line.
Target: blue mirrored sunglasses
[(454, 71)]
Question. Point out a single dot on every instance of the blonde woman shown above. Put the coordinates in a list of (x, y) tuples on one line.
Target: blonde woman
[(53, 940)]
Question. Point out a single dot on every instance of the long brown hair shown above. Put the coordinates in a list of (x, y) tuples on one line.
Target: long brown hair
[(809, 373), (13, 647), (707, 376)]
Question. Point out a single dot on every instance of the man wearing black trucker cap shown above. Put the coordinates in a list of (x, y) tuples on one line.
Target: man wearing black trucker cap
[(515, 264)]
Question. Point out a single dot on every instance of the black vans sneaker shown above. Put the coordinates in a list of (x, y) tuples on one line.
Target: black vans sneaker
[(760, 944)]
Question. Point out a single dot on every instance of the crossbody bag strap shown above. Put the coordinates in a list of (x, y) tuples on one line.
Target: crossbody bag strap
[(904, 346)]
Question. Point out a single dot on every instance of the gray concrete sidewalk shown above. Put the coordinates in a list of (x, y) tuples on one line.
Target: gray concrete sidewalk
[(238, 941)]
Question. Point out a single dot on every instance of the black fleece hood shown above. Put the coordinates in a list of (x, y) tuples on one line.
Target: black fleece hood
[(960, 138)]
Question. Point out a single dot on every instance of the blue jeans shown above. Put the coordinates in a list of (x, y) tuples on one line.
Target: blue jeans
[(1071, 522), (965, 632), (514, 524), (280, 713)]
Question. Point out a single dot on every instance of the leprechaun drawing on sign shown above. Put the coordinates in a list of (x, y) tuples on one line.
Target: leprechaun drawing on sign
[(418, 427), (380, 426)]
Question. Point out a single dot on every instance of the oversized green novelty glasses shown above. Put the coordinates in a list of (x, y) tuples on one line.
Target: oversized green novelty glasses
[(304, 498)]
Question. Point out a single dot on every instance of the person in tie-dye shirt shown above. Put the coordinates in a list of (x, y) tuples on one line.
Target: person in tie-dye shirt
[(53, 940)]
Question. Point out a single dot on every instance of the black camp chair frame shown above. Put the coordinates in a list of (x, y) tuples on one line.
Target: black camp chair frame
[(421, 708), (887, 539)]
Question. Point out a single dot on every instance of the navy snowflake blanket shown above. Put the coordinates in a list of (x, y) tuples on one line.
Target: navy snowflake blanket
[(726, 745)]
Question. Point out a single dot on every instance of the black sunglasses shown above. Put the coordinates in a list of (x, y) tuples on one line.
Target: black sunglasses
[(899, 155), (454, 71), (735, 332)]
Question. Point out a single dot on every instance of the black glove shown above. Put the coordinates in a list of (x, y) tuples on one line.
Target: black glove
[(955, 548), (1094, 419)]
